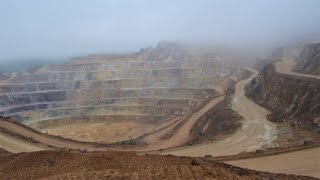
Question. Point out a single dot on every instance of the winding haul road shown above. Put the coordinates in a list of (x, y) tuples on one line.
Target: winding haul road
[(286, 66), (304, 162), (255, 133), (15, 145), (181, 136)]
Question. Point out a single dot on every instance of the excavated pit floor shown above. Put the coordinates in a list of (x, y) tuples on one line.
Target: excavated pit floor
[(108, 132), (131, 97)]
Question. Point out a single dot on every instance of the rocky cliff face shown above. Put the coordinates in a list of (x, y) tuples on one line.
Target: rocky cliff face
[(309, 60), (293, 100)]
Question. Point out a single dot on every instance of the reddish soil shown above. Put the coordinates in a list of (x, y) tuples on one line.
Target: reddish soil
[(121, 165)]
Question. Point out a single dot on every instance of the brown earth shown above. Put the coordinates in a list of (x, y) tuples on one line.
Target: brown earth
[(103, 132), (280, 163), (15, 143), (121, 165)]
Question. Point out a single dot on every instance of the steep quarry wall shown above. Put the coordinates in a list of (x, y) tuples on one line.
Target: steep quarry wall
[(309, 59), (150, 86), (292, 99)]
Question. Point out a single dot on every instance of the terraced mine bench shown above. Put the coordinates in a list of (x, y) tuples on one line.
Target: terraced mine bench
[(146, 88)]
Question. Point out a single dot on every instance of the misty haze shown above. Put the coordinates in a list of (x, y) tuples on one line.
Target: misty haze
[(160, 89)]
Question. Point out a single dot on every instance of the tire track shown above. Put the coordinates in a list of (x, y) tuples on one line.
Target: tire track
[(256, 131)]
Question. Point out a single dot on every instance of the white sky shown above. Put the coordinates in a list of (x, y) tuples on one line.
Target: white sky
[(43, 28)]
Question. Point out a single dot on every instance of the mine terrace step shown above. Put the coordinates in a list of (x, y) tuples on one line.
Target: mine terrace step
[(115, 83), (130, 64), (67, 120), (111, 108), (103, 75), (82, 95), (107, 89), (151, 101)]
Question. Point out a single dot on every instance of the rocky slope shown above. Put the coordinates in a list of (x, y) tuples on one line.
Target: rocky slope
[(121, 165), (293, 100), (221, 120), (309, 59)]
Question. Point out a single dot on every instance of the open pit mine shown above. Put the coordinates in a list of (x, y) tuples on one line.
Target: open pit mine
[(110, 99), (173, 99)]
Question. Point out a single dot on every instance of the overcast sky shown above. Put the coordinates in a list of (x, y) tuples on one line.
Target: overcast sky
[(56, 28)]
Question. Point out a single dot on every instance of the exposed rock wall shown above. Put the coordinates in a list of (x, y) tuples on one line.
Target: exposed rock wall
[(161, 82), (293, 100)]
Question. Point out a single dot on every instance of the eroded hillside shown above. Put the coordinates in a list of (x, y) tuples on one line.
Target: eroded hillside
[(293, 101)]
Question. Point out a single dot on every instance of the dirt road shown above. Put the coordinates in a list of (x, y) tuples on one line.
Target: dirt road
[(181, 136), (15, 145), (40, 138), (285, 66), (255, 133), (305, 162)]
